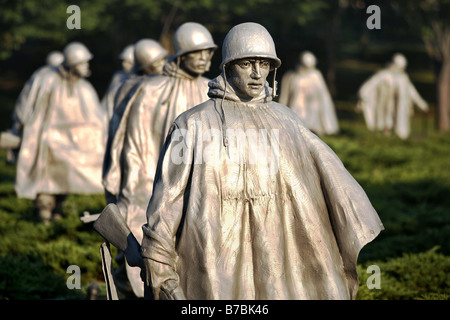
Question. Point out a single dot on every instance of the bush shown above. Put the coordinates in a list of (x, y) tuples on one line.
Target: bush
[(411, 276)]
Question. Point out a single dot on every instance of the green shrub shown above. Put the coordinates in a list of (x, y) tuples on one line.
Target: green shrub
[(411, 276)]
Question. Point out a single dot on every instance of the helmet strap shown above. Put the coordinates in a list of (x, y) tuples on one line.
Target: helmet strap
[(274, 89), (222, 115)]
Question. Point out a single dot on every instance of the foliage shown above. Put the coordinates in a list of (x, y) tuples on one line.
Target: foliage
[(422, 276), (407, 182), (33, 257)]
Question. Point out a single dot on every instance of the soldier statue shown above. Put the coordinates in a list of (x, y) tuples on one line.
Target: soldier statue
[(247, 202), (63, 135)]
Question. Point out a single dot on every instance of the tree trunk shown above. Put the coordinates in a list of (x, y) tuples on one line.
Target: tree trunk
[(443, 97)]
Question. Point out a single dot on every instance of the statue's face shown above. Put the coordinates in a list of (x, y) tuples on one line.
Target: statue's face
[(248, 76), (155, 67), (127, 65), (197, 62), (82, 69)]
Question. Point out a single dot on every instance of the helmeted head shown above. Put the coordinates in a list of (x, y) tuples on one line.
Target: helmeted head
[(149, 53), (54, 58), (194, 48), (248, 55), (75, 53), (127, 53), (192, 36), (399, 61), (127, 57), (76, 58), (308, 59), (247, 40)]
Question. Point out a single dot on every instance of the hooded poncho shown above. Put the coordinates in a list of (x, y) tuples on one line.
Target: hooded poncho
[(146, 119), (386, 100), (308, 96), (266, 212), (63, 137)]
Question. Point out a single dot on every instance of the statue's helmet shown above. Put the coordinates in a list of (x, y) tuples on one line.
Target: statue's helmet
[(308, 59), (399, 60), (247, 40), (75, 53), (192, 36), (127, 54), (147, 51), (54, 58)]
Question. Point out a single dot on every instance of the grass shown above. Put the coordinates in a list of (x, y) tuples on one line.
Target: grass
[(408, 183)]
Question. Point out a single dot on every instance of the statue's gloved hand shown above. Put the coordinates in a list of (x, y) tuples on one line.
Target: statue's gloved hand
[(171, 291), (163, 280)]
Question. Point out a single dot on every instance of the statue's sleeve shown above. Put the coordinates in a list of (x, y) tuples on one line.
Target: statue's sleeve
[(165, 209), (416, 97)]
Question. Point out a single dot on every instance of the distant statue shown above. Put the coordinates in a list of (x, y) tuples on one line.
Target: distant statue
[(247, 202), (11, 138), (127, 57), (149, 60), (63, 135), (147, 114), (306, 93), (386, 99)]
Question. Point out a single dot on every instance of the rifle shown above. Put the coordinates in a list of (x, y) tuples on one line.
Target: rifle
[(112, 226), (111, 291), (9, 140)]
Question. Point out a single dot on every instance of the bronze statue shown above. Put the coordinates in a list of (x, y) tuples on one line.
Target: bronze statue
[(247, 202), (386, 99), (145, 117), (63, 130)]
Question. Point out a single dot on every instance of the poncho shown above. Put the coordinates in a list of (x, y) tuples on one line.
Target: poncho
[(63, 137), (386, 100), (145, 122), (268, 214), (308, 96)]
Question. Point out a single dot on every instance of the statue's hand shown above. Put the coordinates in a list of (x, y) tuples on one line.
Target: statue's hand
[(171, 291)]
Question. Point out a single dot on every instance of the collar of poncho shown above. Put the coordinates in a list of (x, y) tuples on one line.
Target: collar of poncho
[(218, 88)]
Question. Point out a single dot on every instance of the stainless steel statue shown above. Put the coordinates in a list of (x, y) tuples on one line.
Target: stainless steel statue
[(11, 139), (247, 202), (128, 61), (387, 98), (146, 118), (149, 61), (63, 129), (306, 93), (127, 57)]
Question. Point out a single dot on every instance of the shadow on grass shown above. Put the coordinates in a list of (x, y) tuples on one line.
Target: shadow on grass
[(28, 278), (416, 217)]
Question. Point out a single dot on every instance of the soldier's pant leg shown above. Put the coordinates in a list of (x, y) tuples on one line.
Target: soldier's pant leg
[(45, 204), (58, 210)]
